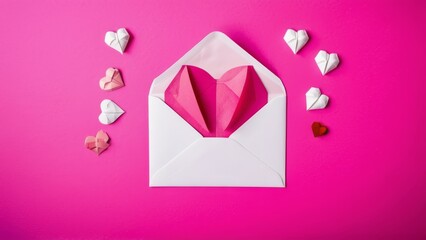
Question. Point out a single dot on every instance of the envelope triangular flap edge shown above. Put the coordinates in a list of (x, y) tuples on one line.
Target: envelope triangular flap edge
[(266, 126), (169, 134), (216, 54), (216, 162)]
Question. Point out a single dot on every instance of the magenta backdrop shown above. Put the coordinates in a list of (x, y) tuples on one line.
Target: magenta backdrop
[(364, 180)]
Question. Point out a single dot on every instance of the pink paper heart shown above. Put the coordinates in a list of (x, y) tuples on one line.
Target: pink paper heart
[(112, 80), (216, 108), (99, 143)]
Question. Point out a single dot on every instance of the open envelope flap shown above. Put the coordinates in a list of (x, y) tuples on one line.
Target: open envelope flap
[(216, 162), (216, 54), (264, 135), (169, 134)]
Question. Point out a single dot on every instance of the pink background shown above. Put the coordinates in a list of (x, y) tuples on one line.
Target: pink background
[(364, 180)]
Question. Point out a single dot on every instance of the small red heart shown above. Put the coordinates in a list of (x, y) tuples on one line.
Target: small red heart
[(318, 129)]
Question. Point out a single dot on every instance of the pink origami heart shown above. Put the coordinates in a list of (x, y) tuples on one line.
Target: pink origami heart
[(216, 108), (112, 80), (99, 143)]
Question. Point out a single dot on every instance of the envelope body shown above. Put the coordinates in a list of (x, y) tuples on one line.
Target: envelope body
[(252, 156)]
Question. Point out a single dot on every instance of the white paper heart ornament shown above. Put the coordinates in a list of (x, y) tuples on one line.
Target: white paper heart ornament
[(326, 62), (110, 112), (296, 40), (117, 40), (315, 100)]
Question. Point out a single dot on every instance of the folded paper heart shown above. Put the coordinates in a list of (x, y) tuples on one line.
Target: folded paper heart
[(97, 144), (110, 112), (112, 80), (318, 129), (315, 100), (326, 62), (117, 40), (216, 108), (296, 40)]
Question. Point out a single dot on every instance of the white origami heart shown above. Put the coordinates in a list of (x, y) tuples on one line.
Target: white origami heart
[(315, 100), (110, 112), (117, 40), (296, 40), (326, 62)]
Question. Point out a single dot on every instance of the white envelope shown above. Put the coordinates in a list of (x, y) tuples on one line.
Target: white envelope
[(253, 156)]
